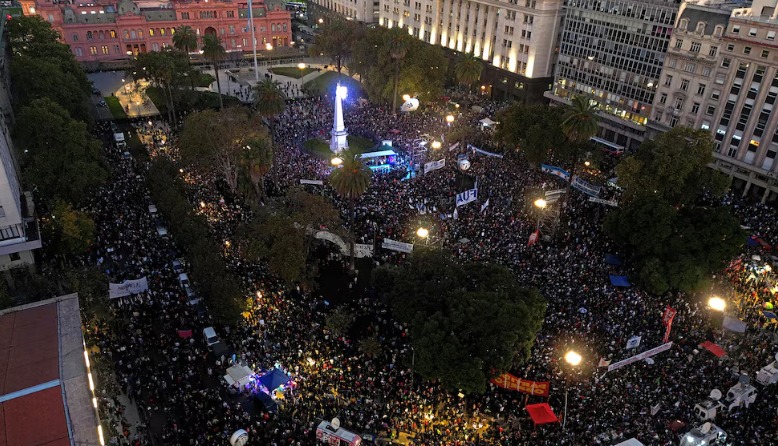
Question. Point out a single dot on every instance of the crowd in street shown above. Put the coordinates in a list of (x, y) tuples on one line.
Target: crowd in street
[(176, 381)]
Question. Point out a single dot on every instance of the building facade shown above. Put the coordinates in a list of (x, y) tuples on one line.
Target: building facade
[(363, 11), (612, 51), (721, 75), (516, 39), (106, 31)]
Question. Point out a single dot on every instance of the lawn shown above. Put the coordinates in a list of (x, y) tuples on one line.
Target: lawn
[(189, 100), (116, 108), (325, 83), (203, 79), (321, 147), (293, 72)]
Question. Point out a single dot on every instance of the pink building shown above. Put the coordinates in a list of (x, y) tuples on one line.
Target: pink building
[(103, 31)]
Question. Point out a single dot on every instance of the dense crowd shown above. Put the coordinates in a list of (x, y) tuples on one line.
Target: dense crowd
[(176, 381)]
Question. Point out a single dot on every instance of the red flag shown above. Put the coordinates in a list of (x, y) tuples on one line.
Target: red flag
[(533, 238), (667, 321), (183, 334)]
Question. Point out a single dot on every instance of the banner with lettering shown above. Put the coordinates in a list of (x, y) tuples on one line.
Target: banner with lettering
[(467, 196), (483, 152), (394, 245), (434, 165), (510, 382), (363, 250), (127, 287), (641, 356), (585, 187)]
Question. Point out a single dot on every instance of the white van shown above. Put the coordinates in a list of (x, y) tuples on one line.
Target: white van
[(210, 336)]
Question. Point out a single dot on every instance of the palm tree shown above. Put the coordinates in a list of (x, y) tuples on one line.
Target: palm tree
[(270, 102), (468, 69), (579, 124), (255, 162), (398, 49), (350, 181), (185, 39), (214, 52)]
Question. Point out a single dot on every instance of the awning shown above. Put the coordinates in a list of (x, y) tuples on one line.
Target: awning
[(541, 414), (620, 281), (713, 348), (274, 379)]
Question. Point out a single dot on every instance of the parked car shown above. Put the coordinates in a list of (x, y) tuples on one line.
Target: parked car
[(210, 336)]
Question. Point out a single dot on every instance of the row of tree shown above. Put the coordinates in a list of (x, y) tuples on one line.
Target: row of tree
[(390, 62), (58, 157), (668, 220)]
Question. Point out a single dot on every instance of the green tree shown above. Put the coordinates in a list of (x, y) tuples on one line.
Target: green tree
[(399, 41), (335, 40), (371, 346), (185, 39), (350, 181), (68, 231), (533, 130), (216, 141), (674, 167), (166, 69), (57, 154), (469, 322), (339, 321), (270, 102), (255, 162), (214, 52), (468, 69)]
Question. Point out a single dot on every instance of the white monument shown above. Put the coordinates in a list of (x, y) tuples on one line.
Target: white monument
[(339, 133)]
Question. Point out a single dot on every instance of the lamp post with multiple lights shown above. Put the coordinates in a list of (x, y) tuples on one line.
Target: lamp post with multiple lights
[(573, 359)]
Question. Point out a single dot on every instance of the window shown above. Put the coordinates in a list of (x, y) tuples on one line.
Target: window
[(725, 62), (668, 80), (113, 34), (79, 52), (232, 30), (678, 103), (701, 89), (671, 62), (185, 16), (765, 54), (747, 50), (752, 32), (710, 110), (75, 37), (685, 84), (89, 35), (689, 67), (663, 99), (509, 30), (93, 50), (770, 35), (151, 32), (104, 49), (14, 256), (230, 14), (735, 29), (712, 51), (696, 47), (730, 47), (706, 71), (679, 43), (720, 78)]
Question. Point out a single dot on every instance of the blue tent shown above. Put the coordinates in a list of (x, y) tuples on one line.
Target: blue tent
[(612, 259), (620, 281), (273, 380), (269, 403)]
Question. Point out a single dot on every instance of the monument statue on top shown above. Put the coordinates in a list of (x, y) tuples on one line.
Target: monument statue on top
[(339, 140)]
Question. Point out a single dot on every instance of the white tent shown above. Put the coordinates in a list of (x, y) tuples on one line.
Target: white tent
[(238, 375), (630, 442), (487, 122)]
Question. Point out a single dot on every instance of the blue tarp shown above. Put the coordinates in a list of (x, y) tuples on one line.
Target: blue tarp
[(274, 379), (612, 259), (768, 314), (620, 281), (751, 241)]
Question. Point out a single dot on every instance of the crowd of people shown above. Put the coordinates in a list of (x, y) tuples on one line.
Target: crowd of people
[(176, 380)]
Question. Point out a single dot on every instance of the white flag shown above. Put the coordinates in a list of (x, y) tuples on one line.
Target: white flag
[(456, 215), (484, 206)]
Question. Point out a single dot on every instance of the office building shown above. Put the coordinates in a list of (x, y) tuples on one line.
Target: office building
[(613, 52), (363, 11)]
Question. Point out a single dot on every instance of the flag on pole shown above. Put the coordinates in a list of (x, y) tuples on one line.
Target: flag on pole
[(667, 321), (533, 238), (484, 206), (248, 22), (604, 363)]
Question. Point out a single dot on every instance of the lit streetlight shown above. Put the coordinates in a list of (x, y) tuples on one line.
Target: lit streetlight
[(449, 119), (269, 48), (540, 203), (436, 145), (406, 97), (336, 161), (574, 359), (587, 163), (717, 304), (423, 233), (301, 66)]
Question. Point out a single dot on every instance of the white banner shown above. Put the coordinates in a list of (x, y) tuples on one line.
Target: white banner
[(467, 196), (394, 245), (585, 186), (613, 203), (633, 342), (316, 182), (127, 287), (640, 357), (453, 147), (434, 165), (485, 205), (363, 250)]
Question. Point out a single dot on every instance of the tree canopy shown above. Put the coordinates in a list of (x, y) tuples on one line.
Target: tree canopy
[(674, 240), (469, 322), (336, 39), (533, 130)]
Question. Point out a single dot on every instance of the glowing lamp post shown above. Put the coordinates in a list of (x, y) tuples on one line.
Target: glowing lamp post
[(573, 359), (449, 120), (436, 145), (301, 66), (424, 233), (269, 48), (717, 304), (336, 161)]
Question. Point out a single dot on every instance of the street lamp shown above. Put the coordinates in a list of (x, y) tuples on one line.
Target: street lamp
[(587, 163), (540, 203), (449, 119), (269, 48), (301, 66), (336, 161), (573, 358), (717, 304), (406, 97), (436, 145), (423, 232)]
